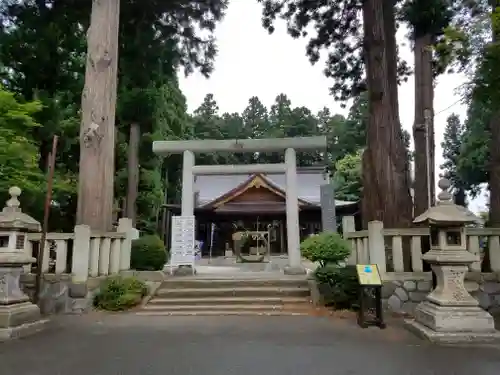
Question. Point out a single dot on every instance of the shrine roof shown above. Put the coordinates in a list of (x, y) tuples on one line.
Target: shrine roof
[(211, 187)]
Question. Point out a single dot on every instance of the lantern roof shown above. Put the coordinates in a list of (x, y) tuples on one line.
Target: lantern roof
[(446, 212), (12, 217)]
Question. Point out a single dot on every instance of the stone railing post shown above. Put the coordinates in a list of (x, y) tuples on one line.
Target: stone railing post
[(80, 261), (125, 226), (376, 245), (349, 225)]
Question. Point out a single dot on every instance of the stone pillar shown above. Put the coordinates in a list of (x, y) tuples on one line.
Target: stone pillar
[(450, 314), (328, 217), (187, 204), (81, 261), (292, 216), (18, 316), (125, 226), (376, 245)]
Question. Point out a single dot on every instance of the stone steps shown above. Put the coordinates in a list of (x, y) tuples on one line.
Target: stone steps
[(230, 297), (184, 282), (222, 313), (222, 301), (234, 292)]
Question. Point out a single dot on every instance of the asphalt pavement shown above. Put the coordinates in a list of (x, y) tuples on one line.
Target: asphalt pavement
[(125, 344)]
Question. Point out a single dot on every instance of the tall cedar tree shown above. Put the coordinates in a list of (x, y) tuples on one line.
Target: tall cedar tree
[(97, 134), (427, 20), (340, 29), (451, 144), (492, 59)]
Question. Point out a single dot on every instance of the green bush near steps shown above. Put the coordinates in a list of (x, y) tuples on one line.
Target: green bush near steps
[(120, 293), (337, 283), (326, 248), (338, 286), (148, 254)]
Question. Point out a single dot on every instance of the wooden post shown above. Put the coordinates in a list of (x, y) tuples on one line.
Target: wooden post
[(97, 131)]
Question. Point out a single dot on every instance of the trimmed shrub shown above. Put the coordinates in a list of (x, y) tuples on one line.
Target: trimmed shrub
[(325, 248), (118, 294), (338, 286), (148, 253)]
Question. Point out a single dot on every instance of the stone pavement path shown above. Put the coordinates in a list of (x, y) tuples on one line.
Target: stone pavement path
[(99, 344)]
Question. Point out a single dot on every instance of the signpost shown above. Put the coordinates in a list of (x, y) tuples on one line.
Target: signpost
[(370, 296), (182, 250)]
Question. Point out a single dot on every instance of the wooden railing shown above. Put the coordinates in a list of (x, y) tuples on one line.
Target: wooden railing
[(401, 250)]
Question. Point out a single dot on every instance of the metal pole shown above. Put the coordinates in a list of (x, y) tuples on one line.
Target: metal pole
[(427, 119), (46, 212)]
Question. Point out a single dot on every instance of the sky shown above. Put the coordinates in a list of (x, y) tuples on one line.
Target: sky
[(250, 62)]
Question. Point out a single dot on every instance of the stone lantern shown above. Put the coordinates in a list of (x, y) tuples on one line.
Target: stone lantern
[(18, 316), (449, 314)]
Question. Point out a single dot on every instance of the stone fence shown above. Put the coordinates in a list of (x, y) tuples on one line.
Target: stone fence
[(75, 263), (398, 256), (83, 253)]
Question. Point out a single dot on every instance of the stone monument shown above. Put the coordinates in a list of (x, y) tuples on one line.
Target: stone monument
[(18, 316), (449, 314), (328, 216)]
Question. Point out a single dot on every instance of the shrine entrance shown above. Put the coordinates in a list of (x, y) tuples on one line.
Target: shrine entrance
[(288, 145)]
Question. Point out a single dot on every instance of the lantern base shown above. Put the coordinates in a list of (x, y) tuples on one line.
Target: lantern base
[(453, 324), (452, 338), (19, 320)]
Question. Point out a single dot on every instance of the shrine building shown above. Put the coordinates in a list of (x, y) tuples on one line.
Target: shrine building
[(229, 203)]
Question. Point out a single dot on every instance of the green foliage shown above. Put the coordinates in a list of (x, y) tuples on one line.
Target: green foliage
[(473, 160), (431, 18), (148, 254), (452, 146), (468, 46), (42, 56), (326, 248), (18, 153), (338, 27), (347, 177), (427, 16), (338, 286), (117, 293)]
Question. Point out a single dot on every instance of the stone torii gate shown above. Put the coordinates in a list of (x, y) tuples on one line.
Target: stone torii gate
[(289, 145)]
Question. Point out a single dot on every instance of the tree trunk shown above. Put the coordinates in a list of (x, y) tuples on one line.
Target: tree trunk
[(424, 147), (494, 180), (386, 194), (97, 131), (133, 171)]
